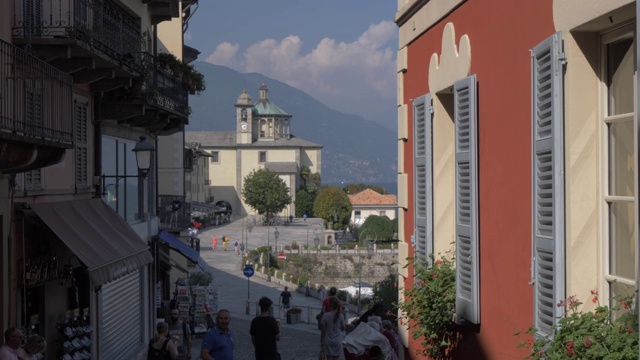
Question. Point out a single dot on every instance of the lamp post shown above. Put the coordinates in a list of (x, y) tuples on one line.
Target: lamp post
[(316, 241), (369, 254), (362, 237), (142, 150)]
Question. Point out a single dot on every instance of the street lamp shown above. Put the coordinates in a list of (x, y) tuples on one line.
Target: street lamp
[(369, 254), (316, 240), (362, 237), (142, 150)]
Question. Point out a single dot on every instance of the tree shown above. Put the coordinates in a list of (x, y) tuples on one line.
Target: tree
[(381, 226), (264, 191), (386, 292), (333, 205), (304, 175), (304, 203)]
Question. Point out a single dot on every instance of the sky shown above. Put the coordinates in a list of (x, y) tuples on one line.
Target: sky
[(340, 52)]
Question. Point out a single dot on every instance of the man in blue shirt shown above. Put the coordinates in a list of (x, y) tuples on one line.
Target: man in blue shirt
[(218, 342)]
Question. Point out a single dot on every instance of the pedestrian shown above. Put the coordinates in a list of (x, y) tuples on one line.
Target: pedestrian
[(326, 305), (214, 242), (161, 347), (332, 327), (290, 218), (285, 299), (33, 348), (236, 248), (376, 310), (218, 342), (180, 334), (389, 333), (265, 332), (304, 217), (224, 242), (12, 340)]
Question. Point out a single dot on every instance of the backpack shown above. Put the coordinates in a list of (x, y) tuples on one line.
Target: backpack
[(158, 354), (236, 243)]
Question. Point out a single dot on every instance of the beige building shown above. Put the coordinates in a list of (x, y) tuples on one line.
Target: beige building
[(262, 140), (368, 202)]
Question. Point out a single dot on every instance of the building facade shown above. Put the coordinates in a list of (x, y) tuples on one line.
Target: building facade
[(368, 202), (80, 87), (262, 140), (516, 142)]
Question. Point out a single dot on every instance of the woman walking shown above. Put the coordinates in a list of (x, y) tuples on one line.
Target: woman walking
[(332, 325), (161, 346)]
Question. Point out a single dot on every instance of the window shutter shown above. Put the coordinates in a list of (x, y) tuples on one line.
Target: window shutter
[(467, 277), (33, 180), (422, 114), (81, 145), (548, 182)]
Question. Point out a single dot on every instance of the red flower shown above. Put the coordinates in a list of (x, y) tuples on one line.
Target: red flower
[(570, 350), (561, 303), (595, 299), (624, 304), (587, 342), (438, 262)]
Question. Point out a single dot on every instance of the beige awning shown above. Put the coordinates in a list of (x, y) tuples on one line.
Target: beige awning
[(101, 239)]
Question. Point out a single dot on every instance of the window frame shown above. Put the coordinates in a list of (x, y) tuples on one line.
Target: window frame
[(215, 157), (262, 157)]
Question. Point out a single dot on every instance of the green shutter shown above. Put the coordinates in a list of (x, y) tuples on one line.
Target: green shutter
[(548, 182), (81, 145), (466, 206)]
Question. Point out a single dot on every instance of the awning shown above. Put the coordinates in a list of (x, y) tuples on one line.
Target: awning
[(101, 239), (182, 248)]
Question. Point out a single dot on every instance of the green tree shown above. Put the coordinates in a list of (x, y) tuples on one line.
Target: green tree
[(304, 203), (381, 226), (264, 191), (304, 175), (386, 292), (316, 180), (333, 205)]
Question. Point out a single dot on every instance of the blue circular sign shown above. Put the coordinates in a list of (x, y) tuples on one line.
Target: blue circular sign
[(248, 271)]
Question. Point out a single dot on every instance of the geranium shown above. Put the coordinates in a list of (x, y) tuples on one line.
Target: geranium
[(430, 306), (604, 333)]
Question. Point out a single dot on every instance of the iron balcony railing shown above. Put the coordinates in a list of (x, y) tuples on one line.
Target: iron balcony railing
[(174, 213), (164, 89), (36, 99), (98, 25)]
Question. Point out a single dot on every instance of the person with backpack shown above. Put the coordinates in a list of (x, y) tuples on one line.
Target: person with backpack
[(161, 347)]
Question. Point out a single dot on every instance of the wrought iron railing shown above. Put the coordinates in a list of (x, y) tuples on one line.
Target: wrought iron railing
[(164, 89), (100, 25), (36, 99), (174, 212)]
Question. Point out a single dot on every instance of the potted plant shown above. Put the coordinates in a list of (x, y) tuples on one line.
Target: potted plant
[(294, 315)]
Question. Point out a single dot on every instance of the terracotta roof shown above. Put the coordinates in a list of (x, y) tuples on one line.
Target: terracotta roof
[(370, 197)]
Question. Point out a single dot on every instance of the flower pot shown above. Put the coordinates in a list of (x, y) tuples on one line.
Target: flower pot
[(294, 318)]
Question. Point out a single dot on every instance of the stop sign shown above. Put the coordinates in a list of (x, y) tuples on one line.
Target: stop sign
[(282, 257)]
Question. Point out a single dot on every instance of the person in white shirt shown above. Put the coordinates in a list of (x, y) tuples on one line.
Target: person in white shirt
[(12, 340)]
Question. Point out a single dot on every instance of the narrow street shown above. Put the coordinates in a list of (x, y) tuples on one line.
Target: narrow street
[(299, 341)]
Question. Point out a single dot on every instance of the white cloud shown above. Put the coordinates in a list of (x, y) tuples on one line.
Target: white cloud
[(351, 77)]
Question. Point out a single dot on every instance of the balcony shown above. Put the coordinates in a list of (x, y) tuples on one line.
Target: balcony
[(162, 10), (36, 111), (157, 101), (94, 40)]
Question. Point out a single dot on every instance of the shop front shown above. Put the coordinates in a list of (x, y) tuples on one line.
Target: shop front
[(83, 280)]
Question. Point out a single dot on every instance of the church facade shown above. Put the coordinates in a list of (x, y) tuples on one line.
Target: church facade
[(262, 140)]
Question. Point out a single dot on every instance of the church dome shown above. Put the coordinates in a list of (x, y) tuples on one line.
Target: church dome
[(244, 98)]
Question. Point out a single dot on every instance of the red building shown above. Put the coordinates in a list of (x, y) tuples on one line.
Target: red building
[(517, 151)]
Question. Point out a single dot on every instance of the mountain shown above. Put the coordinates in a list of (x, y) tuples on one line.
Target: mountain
[(355, 150)]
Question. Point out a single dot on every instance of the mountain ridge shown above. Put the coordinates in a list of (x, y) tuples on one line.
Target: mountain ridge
[(355, 150)]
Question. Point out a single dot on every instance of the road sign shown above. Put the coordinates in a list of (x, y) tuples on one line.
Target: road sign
[(282, 257), (248, 271)]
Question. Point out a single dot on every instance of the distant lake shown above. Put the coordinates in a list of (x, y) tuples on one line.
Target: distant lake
[(392, 188)]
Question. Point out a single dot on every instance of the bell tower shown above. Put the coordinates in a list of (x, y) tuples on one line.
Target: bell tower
[(244, 123)]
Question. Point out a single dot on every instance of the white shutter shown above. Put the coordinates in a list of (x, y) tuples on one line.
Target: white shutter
[(423, 183), (467, 277), (81, 145), (33, 180), (121, 317), (548, 182)]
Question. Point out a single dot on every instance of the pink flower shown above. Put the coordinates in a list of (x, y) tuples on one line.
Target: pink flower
[(595, 299), (561, 303), (570, 350)]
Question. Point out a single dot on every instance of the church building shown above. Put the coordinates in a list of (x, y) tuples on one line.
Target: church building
[(262, 140)]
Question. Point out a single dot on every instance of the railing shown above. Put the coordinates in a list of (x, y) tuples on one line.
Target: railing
[(98, 24), (174, 212), (36, 99), (163, 89)]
